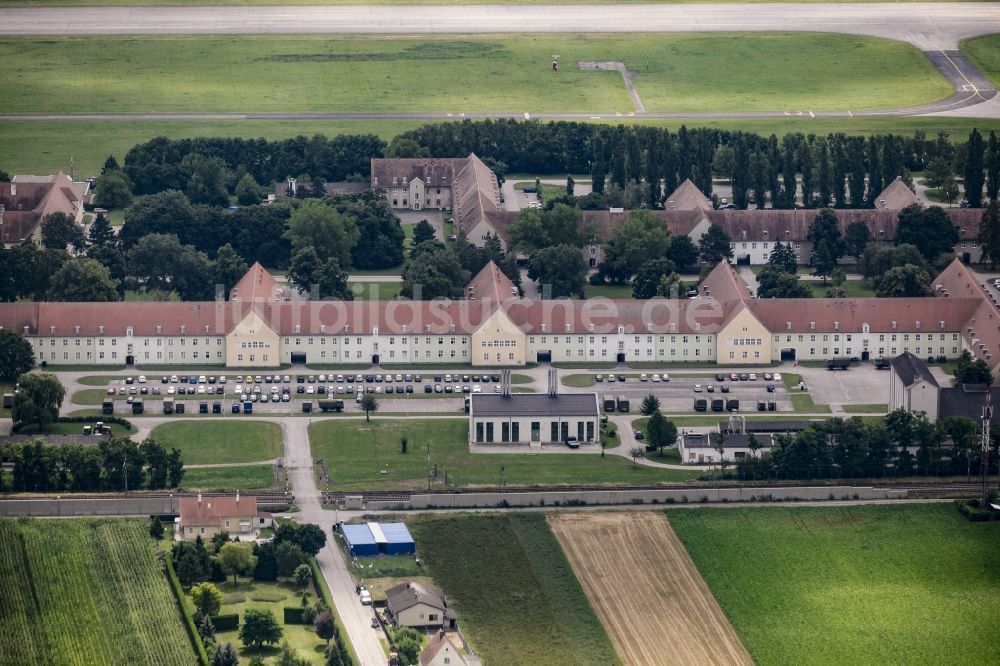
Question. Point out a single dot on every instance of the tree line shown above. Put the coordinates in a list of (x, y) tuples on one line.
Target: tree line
[(903, 444), (43, 468)]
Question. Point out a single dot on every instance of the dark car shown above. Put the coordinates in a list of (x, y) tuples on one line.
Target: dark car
[(300, 389), (744, 377), (495, 378), (400, 389), (369, 378), (164, 380), (719, 377), (428, 388), (639, 435), (321, 389), (300, 379), (389, 389), (437, 379), (418, 378), (724, 388), (770, 388), (599, 378), (621, 378), (409, 388)]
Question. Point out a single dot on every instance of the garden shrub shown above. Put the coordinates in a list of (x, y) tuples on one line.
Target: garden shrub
[(226, 622)]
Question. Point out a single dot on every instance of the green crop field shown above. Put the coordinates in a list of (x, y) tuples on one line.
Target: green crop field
[(515, 593), (367, 456), (72, 3), (249, 477), (984, 52), (675, 72), (88, 592), (852, 585), (208, 442), (46, 146)]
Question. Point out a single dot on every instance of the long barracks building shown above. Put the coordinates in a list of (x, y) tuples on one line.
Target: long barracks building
[(259, 328)]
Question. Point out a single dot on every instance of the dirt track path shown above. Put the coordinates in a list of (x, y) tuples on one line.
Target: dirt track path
[(653, 602)]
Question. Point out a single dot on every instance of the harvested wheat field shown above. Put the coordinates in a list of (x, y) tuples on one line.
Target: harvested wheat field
[(647, 592)]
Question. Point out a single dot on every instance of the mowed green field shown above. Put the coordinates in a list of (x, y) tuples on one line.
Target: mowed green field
[(516, 596), (367, 456), (86, 592), (909, 585), (469, 73), (47, 146), (248, 477), (984, 52), (209, 442), (74, 3)]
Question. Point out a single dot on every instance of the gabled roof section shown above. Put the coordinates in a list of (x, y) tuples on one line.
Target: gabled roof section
[(908, 367), (982, 328), (399, 172), (723, 284), (257, 286), (407, 595), (896, 196), (491, 284), (475, 194), (209, 510), (883, 315), (687, 196), (435, 644)]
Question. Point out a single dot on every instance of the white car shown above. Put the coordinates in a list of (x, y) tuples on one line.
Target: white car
[(274, 389), (310, 389), (285, 397), (201, 389), (697, 388), (665, 377), (777, 376), (656, 379), (643, 377), (753, 377), (202, 379), (239, 389), (321, 379), (340, 379), (173, 379), (222, 379), (142, 379), (399, 378), (171, 390), (476, 388)]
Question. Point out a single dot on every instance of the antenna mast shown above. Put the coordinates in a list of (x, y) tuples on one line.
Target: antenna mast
[(984, 463)]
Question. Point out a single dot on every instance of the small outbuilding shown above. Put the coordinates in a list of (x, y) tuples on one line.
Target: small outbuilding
[(525, 418), (378, 538), (397, 539)]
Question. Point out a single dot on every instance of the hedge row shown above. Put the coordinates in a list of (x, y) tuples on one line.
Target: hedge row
[(226, 622), (175, 586), (971, 510), (293, 615)]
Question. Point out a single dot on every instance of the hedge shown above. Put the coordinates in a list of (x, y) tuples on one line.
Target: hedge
[(970, 509), (293, 615), (226, 622), (324, 593), (192, 631), (84, 419)]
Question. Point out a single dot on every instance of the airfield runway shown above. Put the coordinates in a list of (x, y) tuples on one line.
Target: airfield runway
[(928, 26)]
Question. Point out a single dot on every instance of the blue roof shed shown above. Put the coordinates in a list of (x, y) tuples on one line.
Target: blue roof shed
[(359, 540), (397, 539)]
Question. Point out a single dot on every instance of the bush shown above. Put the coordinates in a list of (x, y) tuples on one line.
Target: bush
[(234, 598), (293, 615), (227, 622), (971, 510), (270, 597)]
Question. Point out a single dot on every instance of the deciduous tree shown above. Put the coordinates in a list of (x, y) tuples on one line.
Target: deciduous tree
[(369, 404), (827, 244), (16, 355), (320, 227), (907, 281), (37, 400), (715, 245), (559, 270), (60, 231), (259, 628), (930, 230), (83, 280), (662, 432), (113, 190), (236, 559), (207, 598), (248, 192)]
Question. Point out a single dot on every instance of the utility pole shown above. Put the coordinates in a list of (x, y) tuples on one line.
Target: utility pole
[(502, 486), (984, 463)]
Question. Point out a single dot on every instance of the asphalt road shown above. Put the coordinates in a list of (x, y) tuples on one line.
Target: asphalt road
[(929, 26)]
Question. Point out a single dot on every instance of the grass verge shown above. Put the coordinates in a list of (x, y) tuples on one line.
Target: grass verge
[(801, 400), (888, 584), (866, 409), (526, 606)]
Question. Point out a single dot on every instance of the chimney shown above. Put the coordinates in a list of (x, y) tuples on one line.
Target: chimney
[(1, 214), (199, 498), (237, 495), (13, 189)]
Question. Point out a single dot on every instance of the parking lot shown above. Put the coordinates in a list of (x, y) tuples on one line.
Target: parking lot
[(286, 394), (679, 393)]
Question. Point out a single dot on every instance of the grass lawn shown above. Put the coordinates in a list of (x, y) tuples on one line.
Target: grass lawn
[(801, 400), (367, 456), (40, 146), (90, 397), (577, 381), (251, 477), (912, 584), (72, 429), (260, 595), (466, 72), (984, 52), (102, 3), (670, 456), (513, 589), (99, 380), (394, 271), (210, 442), (853, 288), (375, 291), (549, 191), (866, 409), (86, 591)]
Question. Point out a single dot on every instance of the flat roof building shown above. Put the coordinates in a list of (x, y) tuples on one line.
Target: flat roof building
[(534, 418)]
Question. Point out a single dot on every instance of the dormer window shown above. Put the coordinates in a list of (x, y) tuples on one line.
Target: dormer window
[(812, 326), (100, 329), (52, 330), (916, 325), (836, 325), (894, 326), (159, 328), (76, 330), (788, 325), (128, 331), (298, 328), (183, 329), (941, 324)]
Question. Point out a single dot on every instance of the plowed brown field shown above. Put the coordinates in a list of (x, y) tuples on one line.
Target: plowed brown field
[(654, 604)]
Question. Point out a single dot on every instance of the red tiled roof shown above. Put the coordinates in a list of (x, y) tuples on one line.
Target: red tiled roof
[(258, 285), (208, 510), (852, 313), (491, 283)]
